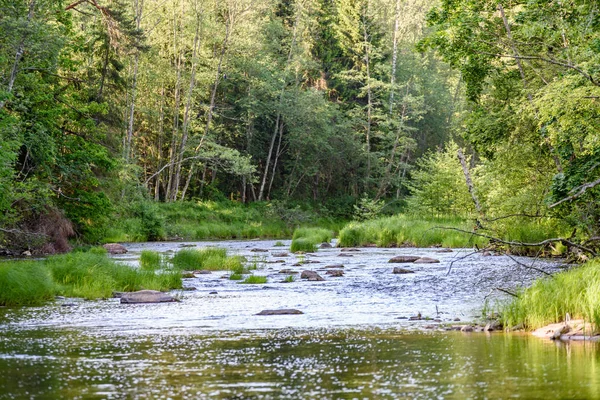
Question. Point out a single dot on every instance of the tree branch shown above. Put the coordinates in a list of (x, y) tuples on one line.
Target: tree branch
[(522, 244), (548, 60), (581, 191)]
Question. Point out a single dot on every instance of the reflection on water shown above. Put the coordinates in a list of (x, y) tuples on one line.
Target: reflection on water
[(372, 363)]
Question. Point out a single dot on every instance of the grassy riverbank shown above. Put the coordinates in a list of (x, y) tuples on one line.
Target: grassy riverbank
[(575, 292), (93, 275), (408, 230), (89, 275), (421, 231), (207, 220)]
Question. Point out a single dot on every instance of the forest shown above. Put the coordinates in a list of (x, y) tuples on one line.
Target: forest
[(115, 110)]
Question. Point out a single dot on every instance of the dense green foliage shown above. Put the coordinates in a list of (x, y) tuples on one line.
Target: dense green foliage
[(106, 104), (531, 79)]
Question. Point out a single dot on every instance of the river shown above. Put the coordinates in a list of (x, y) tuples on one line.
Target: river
[(355, 338)]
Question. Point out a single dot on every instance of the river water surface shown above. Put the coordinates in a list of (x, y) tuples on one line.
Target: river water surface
[(355, 338)]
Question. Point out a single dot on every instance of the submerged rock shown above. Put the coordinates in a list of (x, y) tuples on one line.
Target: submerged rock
[(444, 250), (115, 248), (325, 246), (146, 296), (284, 311), (283, 254), (404, 259), (426, 260), (334, 266), (255, 250), (202, 272), (398, 270), (335, 273), (493, 326), (311, 276), (467, 328), (288, 271)]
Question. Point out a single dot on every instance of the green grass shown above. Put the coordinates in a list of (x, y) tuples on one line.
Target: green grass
[(254, 279), (307, 239), (25, 283), (151, 260), (289, 278), (87, 275), (205, 220), (279, 244), (415, 230), (548, 300), (408, 230), (93, 276), (236, 277)]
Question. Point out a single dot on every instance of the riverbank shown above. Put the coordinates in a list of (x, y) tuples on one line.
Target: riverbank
[(572, 294)]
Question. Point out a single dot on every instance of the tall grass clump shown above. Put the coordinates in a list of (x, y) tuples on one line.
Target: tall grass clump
[(548, 300), (408, 230), (93, 276), (307, 239), (25, 283), (254, 279), (211, 258), (151, 260)]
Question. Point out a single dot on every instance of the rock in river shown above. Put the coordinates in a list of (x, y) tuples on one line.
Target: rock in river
[(146, 296), (115, 248), (335, 273), (325, 245), (284, 311), (311, 276), (398, 270), (426, 260), (404, 259), (337, 266)]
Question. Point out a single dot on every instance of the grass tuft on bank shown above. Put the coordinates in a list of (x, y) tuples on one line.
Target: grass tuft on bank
[(25, 283), (307, 239), (210, 258), (548, 300), (88, 275), (407, 230)]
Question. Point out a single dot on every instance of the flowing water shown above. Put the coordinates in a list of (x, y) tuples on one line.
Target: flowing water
[(355, 338)]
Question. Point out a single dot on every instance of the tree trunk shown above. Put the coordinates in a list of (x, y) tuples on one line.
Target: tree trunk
[(186, 113), (277, 120), (139, 8), (367, 46), (18, 55), (277, 154), (394, 56), (228, 27), (465, 168)]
